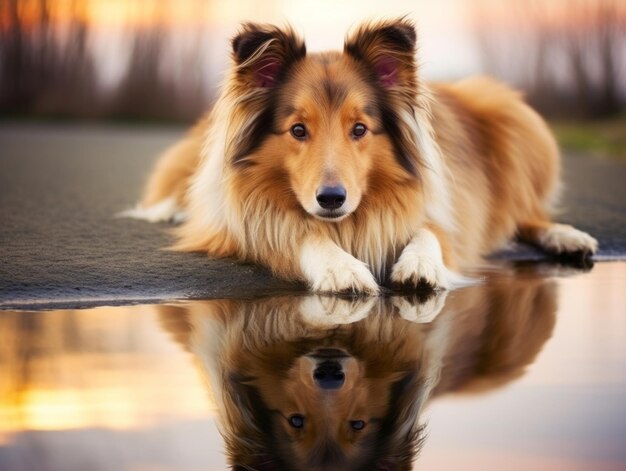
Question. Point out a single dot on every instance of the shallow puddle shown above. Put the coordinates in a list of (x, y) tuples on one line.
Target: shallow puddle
[(526, 370)]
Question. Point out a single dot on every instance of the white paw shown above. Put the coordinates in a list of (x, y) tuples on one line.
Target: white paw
[(562, 238), (345, 276), (421, 262), (326, 311), (421, 268), (421, 312), (329, 269)]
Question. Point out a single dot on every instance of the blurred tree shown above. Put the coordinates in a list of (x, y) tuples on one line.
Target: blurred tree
[(39, 65), (144, 91), (567, 54), (48, 65), (155, 85)]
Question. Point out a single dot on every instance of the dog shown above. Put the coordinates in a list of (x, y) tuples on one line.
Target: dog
[(326, 382), (345, 169)]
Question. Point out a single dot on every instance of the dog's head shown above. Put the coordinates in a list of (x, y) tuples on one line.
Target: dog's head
[(324, 132), (327, 410)]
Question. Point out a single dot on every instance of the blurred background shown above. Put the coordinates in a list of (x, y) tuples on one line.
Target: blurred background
[(162, 60)]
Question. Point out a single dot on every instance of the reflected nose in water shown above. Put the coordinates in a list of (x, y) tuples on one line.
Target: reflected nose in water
[(329, 375)]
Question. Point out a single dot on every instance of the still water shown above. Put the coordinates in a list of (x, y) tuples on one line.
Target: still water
[(526, 370)]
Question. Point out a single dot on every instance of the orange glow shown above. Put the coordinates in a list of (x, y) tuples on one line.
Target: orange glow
[(30, 13), (146, 13), (486, 15), (515, 16), (115, 383), (111, 13), (116, 407)]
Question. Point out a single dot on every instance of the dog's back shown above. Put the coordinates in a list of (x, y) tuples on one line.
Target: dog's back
[(503, 161)]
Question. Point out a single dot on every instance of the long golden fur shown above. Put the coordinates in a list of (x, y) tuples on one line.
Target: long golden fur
[(259, 360), (442, 174)]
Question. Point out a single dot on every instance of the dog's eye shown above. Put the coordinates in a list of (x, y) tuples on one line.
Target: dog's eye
[(298, 131), (296, 421), (359, 130), (357, 425)]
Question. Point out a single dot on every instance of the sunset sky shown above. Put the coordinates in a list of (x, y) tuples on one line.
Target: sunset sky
[(447, 48)]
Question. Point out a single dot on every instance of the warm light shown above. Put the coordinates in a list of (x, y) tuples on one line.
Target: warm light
[(147, 13), (118, 408), (128, 374)]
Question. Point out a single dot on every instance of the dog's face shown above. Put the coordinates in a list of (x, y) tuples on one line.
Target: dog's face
[(330, 135), (328, 130), (329, 409), (326, 407)]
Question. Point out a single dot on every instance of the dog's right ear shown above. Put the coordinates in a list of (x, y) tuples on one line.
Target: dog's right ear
[(263, 53)]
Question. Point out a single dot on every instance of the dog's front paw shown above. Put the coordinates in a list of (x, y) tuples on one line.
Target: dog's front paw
[(421, 264), (329, 269), (346, 276), (420, 270)]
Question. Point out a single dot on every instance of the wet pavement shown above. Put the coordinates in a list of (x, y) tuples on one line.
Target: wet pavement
[(526, 370), (61, 247)]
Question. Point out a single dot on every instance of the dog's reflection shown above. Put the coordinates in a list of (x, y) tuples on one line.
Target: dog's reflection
[(324, 383)]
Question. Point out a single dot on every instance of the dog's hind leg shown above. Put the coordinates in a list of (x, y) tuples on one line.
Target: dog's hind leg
[(165, 193), (557, 239)]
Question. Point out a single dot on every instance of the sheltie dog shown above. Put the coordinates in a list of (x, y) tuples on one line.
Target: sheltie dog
[(344, 169)]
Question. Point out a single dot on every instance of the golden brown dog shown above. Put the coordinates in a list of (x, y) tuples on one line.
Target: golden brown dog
[(342, 169)]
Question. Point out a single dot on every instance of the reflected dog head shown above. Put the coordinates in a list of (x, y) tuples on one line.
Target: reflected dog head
[(309, 383), (324, 399), (324, 415)]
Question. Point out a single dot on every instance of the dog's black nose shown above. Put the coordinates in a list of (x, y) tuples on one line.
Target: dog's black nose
[(331, 197), (329, 375)]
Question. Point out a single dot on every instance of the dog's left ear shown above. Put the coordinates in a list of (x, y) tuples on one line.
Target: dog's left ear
[(388, 48)]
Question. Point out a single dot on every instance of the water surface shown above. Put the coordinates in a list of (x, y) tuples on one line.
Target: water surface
[(526, 370)]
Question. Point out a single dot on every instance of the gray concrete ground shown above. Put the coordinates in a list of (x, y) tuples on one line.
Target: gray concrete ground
[(61, 247)]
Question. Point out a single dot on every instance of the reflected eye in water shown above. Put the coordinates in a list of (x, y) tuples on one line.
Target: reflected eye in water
[(357, 425), (296, 421)]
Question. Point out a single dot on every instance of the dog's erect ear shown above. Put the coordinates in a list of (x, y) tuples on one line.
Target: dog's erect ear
[(387, 51), (388, 48), (263, 53)]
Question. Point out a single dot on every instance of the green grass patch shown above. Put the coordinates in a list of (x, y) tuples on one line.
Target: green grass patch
[(605, 138)]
